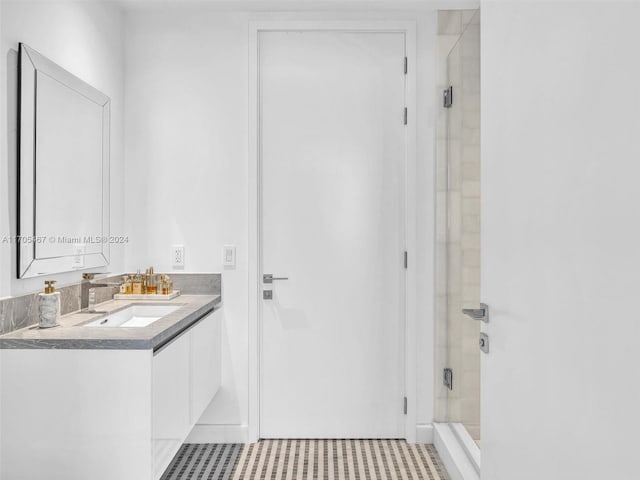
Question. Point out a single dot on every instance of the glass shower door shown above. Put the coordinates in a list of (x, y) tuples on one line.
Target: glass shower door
[(463, 242)]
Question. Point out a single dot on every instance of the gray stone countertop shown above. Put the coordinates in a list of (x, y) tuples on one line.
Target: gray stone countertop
[(72, 335)]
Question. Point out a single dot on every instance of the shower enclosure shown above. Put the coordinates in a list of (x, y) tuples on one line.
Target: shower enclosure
[(459, 237)]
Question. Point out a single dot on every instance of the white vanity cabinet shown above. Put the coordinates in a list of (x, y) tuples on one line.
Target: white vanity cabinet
[(206, 368), (186, 376), (104, 414), (170, 415)]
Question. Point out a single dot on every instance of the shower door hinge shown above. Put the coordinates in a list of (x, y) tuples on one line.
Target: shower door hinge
[(406, 114), (447, 378), (448, 97), (406, 65), (405, 405), (406, 259)]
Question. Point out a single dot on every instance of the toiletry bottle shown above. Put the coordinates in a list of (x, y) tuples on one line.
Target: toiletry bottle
[(165, 285), (123, 285), (137, 284), (49, 305), (128, 285), (151, 283), (154, 279)]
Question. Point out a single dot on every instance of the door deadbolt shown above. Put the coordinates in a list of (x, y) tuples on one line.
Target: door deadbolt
[(267, 294), (484, 342)]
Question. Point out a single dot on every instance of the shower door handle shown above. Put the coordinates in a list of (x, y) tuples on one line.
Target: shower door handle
[(481, 313)]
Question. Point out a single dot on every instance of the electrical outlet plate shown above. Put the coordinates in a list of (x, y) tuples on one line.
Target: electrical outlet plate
[(78, 260), (177, 256)]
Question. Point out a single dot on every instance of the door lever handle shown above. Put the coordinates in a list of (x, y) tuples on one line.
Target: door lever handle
[(269, 278), (481, 313)]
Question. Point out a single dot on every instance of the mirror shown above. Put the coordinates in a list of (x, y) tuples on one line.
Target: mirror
[(63, 169)]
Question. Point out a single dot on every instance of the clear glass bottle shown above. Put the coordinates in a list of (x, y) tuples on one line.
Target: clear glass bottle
[(137, 284), (151, 284)]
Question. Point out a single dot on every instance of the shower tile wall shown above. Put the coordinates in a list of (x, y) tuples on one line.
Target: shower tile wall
[(458, 217)]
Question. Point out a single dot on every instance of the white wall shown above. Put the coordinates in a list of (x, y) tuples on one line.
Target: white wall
[(185, 177), (86, 38), (187, 166), (561, 239)]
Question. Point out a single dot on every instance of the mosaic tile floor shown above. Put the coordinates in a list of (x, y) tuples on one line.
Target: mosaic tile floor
[(203, 461), (307, 460)]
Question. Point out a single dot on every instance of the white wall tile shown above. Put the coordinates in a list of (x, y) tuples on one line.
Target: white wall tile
[(449, 22), (460, 135), (468, 15)]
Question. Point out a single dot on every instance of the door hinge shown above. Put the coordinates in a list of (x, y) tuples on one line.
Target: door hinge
[(405, 405), (406, 65), (406, 114), (406, 260), (447, 95), (447, 378)]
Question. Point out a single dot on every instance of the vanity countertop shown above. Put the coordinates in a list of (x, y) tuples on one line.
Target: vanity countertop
[(72, 335)]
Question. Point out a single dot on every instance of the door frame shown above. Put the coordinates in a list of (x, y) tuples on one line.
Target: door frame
[(408, 28)]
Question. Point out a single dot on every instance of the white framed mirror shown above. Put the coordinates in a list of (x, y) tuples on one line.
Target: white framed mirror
[(63, 169)]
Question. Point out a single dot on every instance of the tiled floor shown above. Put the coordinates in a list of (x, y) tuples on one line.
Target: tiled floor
[(308, 460), (203, 461)]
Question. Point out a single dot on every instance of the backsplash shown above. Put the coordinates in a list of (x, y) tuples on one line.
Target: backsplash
[(22, 311)]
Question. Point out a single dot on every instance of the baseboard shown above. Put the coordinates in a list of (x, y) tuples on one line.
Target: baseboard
[(218, 434), (202, 433), (424, 433), (452, 454)]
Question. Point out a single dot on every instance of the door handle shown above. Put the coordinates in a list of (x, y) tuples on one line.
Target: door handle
[(269, 278), (481, 313)]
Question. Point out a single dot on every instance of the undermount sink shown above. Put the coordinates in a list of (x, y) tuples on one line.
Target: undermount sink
[(134, 316)]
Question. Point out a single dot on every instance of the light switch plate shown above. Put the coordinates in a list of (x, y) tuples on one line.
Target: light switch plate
[(229, 255), (177, 256)]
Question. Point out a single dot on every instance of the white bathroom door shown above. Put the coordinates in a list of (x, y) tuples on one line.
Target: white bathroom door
[(332, 150), (560, 240)]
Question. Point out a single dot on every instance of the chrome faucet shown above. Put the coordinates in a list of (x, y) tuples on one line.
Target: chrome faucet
[(88, 292)]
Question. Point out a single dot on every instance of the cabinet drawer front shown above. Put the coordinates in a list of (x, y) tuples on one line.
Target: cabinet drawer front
[(170, 398), (205, 363)]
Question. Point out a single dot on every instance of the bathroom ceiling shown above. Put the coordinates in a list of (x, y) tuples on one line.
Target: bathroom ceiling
[(289, 5)]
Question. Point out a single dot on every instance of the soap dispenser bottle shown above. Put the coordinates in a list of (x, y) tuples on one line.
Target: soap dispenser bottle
[(49, 305)]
